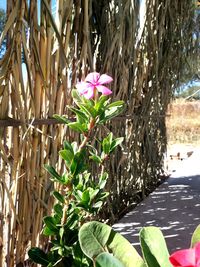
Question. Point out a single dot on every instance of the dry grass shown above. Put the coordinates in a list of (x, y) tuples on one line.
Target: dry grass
[(183, 124)]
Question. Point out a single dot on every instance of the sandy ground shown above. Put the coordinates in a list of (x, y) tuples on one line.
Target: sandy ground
[(178, 156)]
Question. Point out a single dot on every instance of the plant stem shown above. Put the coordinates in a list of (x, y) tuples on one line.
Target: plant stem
[(63, 220), (102, 164), (86, 137)]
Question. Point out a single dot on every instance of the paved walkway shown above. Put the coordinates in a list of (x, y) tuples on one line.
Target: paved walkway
[(174, 207)]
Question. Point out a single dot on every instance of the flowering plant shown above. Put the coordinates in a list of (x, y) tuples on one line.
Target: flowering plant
[(94, 82), (81, 195), (74, 243)]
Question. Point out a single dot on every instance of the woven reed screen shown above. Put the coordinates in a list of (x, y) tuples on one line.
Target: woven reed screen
[(46, 55)]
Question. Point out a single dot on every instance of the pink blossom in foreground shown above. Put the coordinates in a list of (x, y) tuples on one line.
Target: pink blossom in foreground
[(94, 81), (186, 257)]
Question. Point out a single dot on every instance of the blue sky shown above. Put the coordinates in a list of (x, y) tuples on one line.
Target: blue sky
[(3, 4)]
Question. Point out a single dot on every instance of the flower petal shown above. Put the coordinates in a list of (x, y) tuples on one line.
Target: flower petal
[(90, 93), (82, 87), (197, 252), (104, 90), (183, 258), (104, 78), (92, 77)]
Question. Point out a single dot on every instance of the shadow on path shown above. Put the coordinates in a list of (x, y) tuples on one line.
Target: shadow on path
[(174, 207)]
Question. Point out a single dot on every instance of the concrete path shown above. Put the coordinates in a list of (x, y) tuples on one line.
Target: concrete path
[(174, 207)]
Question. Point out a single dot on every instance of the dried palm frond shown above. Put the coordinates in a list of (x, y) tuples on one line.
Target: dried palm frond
[(46, 54)]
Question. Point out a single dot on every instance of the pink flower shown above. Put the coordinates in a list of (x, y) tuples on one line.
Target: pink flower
[(93, 82), (186, 257)]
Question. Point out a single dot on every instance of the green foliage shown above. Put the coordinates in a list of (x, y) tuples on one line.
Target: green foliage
[(109, 144), (94, 244), (61, 119), (154, 248), (106, 259), (38, 256), (195, 236), (80, 198), (97, 239), (101, 111)]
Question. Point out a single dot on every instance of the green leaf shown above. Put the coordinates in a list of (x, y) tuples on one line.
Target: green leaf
[(59, 197), (118, 103), (113, 110), (103, 179), (68, 156), (80, 259), (99, 106), (53, 173), (93, 194), (78, 127), (61, 119), (72, 220), (82, 118), (106, 144), (154, 247), (66, 178), (116, 142), (85, 197), (95, 158), (78, 163), (48, 232), (89, 102), (195, 236), (50, 223), (88, 109), (78, 194), (96, 238), (101, 118), (76, 97), (38, 256), (68, 146), (58, 209), (106, 259), (93, 238)]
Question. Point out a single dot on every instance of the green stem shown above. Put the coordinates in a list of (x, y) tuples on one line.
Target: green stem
[(102, 164)]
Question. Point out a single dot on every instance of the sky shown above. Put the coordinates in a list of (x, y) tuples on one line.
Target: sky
[(3, 4)]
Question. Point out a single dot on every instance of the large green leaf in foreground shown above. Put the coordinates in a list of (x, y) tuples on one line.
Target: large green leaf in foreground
[(195, 236), (96, 238), (154, 247)]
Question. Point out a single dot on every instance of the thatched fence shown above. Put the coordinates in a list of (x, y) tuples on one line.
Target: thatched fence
[(46, 55)]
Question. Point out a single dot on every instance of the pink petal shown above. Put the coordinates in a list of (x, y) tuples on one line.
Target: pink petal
[(197, 248), (92, 77), (104, 90), (197, 252), (183, 258), (104, 78), (90, 93), (82, 87)]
